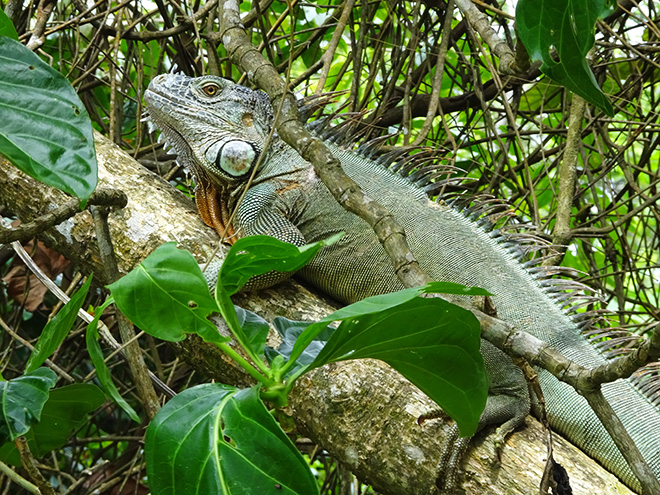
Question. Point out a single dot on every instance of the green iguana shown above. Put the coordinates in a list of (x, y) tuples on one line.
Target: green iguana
[(220, 130)]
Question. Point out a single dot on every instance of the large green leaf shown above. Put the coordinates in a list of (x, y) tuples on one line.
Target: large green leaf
[(259, 254), (254, 256), (255, 329), (57, 329), (65, 410), (431, 342), (7, 27), (44, 128), (167, 296), (214, 439), (377, 304), (568, 27), (102, 372), (21, 402)]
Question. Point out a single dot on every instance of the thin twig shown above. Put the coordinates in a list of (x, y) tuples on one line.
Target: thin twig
[(43, 14), (126, 330), (84, 315), (561, 232), (18, 479), (437, 77), (329, 54), (48, 362), (30, 465), (106, 197), (509, 63)]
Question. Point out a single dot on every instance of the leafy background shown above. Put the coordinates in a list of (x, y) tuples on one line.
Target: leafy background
[(506, 135)]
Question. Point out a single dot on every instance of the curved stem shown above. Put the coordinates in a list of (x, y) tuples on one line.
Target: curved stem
[(244, 363), (228, 312)]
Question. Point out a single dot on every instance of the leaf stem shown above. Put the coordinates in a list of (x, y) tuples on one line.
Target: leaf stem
[(303, 341), (244, 363), (228, 312), (291, 381)]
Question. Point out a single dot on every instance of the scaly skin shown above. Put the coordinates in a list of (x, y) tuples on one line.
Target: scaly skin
[(219, 130)]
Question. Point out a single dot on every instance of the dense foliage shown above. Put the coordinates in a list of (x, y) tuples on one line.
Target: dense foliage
[(416, 70)]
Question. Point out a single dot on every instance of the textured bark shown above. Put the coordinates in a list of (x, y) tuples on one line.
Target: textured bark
[(362, 412)]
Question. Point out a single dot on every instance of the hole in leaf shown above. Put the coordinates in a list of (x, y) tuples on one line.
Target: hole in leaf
[(76, 111), (192, 304), (31, 67)]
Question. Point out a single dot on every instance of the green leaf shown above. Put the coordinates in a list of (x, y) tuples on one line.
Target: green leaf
[(290, 331), (259, 254), (431, 342), (426, 340), (44, 128), (255, 329), (215, 439), (21, 402), (167, 296), (568, 27), (102, 372), (379, 303), (65, 410), (57, 329), (7, 27)]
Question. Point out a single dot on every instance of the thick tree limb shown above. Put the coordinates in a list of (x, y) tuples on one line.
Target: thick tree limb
[(59, 215), (362, 412)]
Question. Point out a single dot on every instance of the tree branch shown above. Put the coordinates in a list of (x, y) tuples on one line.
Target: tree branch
[(510, 62), (561, 232), (106, 197)]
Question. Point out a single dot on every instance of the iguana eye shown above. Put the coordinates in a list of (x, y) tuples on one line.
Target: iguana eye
[(211, 89)]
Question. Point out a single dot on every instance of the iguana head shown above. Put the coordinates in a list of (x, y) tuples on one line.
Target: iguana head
[(213, 124)]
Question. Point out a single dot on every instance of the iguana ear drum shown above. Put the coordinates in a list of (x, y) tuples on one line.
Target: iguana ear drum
[(235, 158)]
